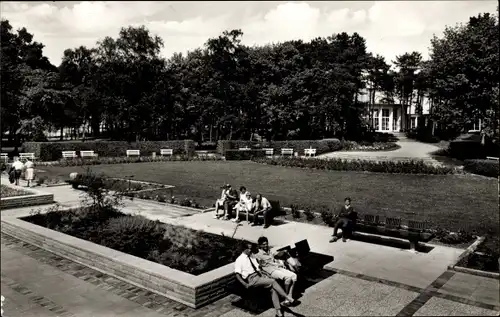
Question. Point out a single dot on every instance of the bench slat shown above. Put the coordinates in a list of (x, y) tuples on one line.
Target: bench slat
[(393, 222)]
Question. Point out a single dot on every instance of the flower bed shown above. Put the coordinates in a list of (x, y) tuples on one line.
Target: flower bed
[(177, 247), (6, 191), (485, 257), (407, 167), (369, 146)]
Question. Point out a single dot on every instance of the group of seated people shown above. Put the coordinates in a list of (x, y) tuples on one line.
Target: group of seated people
[(257, 266), (242, 202)]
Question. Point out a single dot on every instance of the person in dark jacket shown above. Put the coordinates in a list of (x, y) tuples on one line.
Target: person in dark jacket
[(347, 217)]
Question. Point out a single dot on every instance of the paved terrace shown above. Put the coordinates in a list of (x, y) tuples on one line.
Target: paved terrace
[(371, 279)]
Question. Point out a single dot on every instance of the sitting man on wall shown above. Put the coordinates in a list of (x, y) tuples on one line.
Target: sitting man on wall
[(262, 206), (275, 268), (346, 220), (249, 274), (230, 201)]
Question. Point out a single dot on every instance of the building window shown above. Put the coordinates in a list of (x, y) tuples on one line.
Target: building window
[(412, 123), (375, 119), (385, 119), (394, 119), (476, 126)]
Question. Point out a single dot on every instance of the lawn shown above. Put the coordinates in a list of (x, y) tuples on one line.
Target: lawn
[(6, 191), (451, 201)]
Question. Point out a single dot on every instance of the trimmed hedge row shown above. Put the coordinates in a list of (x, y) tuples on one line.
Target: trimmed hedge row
[(321, 146), (237, 155), (488, 168), (466, 149), (51, 151), (408, 167)]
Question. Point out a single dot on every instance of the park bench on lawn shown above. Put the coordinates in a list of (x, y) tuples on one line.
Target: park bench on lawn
[(84, 154), (285, 152), (310, 152), (371, 226), (254, 299), (133, 153), (69, 154), (4, 157), (202, 153), (27, 155), (166, 152), (269, 152)]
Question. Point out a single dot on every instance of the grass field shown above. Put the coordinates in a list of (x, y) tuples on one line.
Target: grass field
[(453, 202)]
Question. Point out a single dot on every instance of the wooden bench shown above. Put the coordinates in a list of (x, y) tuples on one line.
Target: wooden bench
[(202, 153), (27, 155), (133, 153), (492, 158), (4, 157), (69, 154), (268, 151), (84, 154), (287, 152), (244, 149), (166, 152), (310, 152)]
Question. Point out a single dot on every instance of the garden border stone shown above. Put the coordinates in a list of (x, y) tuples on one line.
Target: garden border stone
[(191, 290), (34, 199), (468, 252)]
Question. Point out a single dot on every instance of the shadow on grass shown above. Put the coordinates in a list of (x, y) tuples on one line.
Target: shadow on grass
[(259, 300)]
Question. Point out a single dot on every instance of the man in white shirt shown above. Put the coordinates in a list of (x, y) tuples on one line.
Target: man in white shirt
[(262, 206), (18, 168), (249, 274)]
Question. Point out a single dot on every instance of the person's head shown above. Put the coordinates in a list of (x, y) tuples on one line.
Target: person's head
[(263, 243), (16, 159), (248, 248), (347, 201), (243, 189), (228, 186), (259, 197), (248, 195)]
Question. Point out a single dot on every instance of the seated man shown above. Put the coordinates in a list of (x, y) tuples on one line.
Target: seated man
[(219, 203), (275, 268), (261, 206), (346, 221), (249, 274), (244, 205), (230, 201)]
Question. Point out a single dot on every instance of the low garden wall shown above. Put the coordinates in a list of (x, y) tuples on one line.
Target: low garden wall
[(193, 291), (51, 151), (34, 198)]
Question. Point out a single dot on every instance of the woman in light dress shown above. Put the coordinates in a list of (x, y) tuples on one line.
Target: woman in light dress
[(29, 173), (244, 205), (219, 203)]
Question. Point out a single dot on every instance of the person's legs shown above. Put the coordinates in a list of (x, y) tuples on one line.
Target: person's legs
[(226, 209), (276, 289), (18, 176), (256, 215), (217, 206), (267, 220), (340, 223), (288, 277)]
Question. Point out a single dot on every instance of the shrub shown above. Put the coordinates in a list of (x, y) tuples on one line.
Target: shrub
[(327, 216), (422, 134), (295, 211), (482, 167), (51, 151), (407, 167), (466, 149), (368, 146), (237, 155), (309, 214)]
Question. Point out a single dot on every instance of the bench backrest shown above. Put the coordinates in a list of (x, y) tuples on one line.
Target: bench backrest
[(68, 153), (26, 155), (244, 149), (287, 151), (269, 151), (393, 222), (302, 247), (86, 153), (417, 225), (310, 151), (167, 151), (133, 152), (492, 158), (371, 219)]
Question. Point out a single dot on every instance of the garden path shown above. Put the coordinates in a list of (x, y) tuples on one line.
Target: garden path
[(409, 150)]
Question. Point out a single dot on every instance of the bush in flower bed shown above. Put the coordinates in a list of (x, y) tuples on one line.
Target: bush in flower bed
[(180, 248), (368, 146), (408, 167), (482, 167), (485, 257), (124, 160)]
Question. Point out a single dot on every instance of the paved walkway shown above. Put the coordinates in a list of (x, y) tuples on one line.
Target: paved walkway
[(373, 279), (409, 149)]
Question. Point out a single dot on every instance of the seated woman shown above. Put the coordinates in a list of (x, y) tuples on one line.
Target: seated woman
[(244, 204), (219, 203)]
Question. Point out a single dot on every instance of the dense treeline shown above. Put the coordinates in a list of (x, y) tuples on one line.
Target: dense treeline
[(123, 89)]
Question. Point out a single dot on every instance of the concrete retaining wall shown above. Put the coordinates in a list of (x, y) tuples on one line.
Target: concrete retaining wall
[(34, 199)]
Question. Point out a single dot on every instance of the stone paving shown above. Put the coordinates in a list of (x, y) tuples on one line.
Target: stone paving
[(365, 279)]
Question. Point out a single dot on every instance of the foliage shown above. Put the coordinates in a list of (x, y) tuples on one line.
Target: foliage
[(321, 146), (327, 216), (295, 211), (405, 167), (482, 167), (309, 214), (237, 155), (180, 248), (368, 146), (422, 135), (466, 149), (6, 191)]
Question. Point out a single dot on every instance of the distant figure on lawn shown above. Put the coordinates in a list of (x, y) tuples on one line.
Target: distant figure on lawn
[(275, 267), (219, 203), (17, 169), (244, 205), (262, 206), (346, 220), (249, 274), (29, 172), (230, 201)]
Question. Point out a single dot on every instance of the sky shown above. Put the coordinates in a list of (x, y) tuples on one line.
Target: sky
[(390, 28)]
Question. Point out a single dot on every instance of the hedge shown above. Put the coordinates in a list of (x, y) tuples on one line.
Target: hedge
[(368, 146), (51, 151), (321, 146), (466, 149), (482, 167), (237, 155), (406, 167)]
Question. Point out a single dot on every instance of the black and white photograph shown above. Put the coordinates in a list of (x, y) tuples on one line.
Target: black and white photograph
[(249, 158)]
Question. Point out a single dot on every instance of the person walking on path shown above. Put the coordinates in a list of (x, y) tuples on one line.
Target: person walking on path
[(29, 173), (18, 169)]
